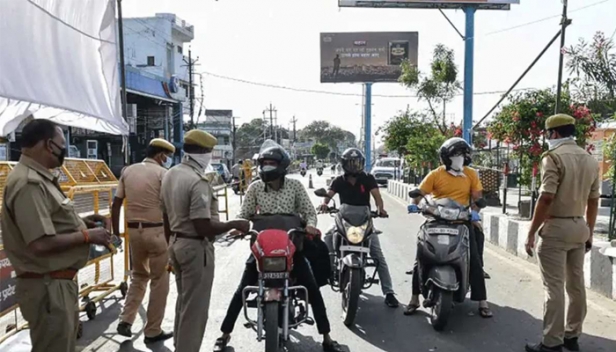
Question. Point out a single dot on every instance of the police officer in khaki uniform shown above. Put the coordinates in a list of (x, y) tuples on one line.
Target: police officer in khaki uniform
[(191, 221), (570, 182), (45, 240), (140, 186)]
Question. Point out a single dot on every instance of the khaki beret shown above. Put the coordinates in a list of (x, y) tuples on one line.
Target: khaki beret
[(200, 138), (161, 143), (558, 120)]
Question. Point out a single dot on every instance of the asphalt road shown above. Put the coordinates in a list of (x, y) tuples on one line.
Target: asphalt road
[(515, 293)]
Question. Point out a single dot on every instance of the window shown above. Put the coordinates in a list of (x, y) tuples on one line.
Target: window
[(388, 163), (151, 61), (179, 49)]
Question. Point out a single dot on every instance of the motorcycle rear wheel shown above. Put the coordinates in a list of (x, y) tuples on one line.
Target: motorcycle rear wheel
[(350, 295), (443, 304), (272, 334)]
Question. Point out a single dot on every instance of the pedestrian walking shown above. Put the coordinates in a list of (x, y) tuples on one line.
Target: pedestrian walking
[(190, 213), (140, 186), (570, 183), (45, 239)]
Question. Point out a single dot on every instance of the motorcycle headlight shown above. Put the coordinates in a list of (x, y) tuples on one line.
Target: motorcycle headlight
[(274, 264), (449, 213), (355, 234)]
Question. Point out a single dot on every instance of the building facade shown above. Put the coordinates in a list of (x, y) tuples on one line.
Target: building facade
[(219, 123)]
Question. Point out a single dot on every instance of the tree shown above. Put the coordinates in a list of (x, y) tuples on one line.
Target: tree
[(594, 66), (320, 150), (248, 138), (437, 89)]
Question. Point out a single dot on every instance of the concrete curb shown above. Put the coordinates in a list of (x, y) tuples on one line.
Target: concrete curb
[(509, 234)]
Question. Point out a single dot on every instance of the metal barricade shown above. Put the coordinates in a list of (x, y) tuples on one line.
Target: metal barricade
[(221, 191)]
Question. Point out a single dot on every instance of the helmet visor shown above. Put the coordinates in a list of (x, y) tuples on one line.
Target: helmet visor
[(354, 165)]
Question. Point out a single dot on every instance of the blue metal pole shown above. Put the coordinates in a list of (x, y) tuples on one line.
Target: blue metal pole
[(469, 56), (368, 126)]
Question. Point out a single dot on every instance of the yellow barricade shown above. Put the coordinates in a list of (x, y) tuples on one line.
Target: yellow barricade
[(91, 185)]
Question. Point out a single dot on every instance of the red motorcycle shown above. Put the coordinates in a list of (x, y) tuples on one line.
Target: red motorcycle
[(281, 306)]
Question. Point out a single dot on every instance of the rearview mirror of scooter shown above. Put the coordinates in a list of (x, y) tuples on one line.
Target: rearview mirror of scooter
[(481, 203), (321, 192), (415, 193)]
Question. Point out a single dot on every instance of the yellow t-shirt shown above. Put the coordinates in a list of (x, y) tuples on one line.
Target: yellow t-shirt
[(442, 184)]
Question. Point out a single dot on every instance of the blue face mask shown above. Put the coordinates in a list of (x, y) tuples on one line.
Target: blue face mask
[(167, 164)]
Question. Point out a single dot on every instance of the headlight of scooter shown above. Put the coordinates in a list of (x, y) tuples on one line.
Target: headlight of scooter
[(355, 234), (275, 264), (449, 213)]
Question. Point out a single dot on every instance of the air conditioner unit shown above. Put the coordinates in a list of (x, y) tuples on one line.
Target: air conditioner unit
[(92, 147), (131, 117)]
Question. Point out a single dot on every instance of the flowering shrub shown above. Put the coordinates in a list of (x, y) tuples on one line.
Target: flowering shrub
[(521, 124)]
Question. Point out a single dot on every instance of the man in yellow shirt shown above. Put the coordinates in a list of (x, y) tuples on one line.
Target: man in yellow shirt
[(459, 183)]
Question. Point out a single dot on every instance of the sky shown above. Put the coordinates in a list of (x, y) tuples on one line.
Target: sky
[(276, 42)]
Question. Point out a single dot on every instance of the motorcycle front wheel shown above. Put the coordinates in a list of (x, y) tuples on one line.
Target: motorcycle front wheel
[(443, 303), (350, 295), (272, 333)]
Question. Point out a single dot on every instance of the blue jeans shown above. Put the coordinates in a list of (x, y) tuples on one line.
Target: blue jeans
[(376, 252)]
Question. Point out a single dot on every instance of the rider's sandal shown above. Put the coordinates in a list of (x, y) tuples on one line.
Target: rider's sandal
[(332, 347), (485, 312), (221, 344), (411, 309)]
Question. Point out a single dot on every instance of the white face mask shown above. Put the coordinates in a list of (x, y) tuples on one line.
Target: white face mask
[(168, 162), (457, 162), (202, 159), (554, 143), (267, 168)]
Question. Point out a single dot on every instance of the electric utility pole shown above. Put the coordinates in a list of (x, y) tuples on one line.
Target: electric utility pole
[(564, 23), (294, 121), (271, 111), (191, 90)]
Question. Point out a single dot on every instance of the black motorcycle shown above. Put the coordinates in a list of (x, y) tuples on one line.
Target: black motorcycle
[(351, 255)]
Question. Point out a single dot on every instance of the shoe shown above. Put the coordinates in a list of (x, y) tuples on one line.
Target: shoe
[(332, 346), (540, 347), (391, 300), (160, 337), (571, 344), (486, 275), (124, 329)]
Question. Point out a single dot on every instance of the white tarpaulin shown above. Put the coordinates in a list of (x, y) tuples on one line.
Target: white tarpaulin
[(59, 61)]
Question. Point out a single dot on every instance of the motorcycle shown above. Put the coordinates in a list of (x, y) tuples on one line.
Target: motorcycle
[(351, 255), (443, 255), (319, 171), (303, 172), (281, 306)]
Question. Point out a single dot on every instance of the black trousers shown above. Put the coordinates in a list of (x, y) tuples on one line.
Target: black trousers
[(303, 274), (477, 281)]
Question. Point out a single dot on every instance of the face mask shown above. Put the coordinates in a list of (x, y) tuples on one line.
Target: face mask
[(554, 143), (457, 162), (60, 155), (202, 159), (268, 168), (168, 162)]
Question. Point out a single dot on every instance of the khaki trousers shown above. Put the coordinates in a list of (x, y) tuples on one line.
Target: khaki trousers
[(193, 263), (50, 308), (561, 261), (148, 249)]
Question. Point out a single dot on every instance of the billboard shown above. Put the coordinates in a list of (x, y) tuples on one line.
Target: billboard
[(430, 4), (7, 284), (366, 56)]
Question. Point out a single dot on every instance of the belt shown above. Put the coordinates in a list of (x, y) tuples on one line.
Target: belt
[(68, 274), (144, 225), (564, 217), (188, 237)]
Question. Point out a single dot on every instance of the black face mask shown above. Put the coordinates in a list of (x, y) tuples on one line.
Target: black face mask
[(60, 155)]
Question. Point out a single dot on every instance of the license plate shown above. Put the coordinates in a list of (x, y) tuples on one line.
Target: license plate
[(357, 249), (272, 276), (442, 230), (443, 239)]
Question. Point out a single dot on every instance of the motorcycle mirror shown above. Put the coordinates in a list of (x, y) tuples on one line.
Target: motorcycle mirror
[(415, 193), (321, 192), (481, 203)]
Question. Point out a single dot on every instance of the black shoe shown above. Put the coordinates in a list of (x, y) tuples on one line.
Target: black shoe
[(332, 346), (160, 337), (572, 344), (542, 348), (391, 300), (486, 275), (124, 329)]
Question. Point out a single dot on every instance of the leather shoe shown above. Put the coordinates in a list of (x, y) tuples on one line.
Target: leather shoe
[(540, 347), (160, 337), (572, 344), (124, 329)]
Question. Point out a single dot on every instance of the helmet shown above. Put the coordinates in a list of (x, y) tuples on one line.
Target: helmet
[(454, 146), (353, 161), (279, 155)]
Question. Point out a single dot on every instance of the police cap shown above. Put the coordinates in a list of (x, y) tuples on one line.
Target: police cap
[(558, 120), (161, 143), (200, 138)]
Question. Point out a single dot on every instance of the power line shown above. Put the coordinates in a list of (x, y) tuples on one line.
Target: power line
[(315, 91)]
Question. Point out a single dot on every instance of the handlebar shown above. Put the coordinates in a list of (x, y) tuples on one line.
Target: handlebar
[(334, 210)]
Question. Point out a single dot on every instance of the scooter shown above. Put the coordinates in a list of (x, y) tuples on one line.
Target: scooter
[(443, 255), (351, 255), (303, 172), (319, 171)]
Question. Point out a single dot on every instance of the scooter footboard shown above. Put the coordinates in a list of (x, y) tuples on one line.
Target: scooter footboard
[(444, 277)]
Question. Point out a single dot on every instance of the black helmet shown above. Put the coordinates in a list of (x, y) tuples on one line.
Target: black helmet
[(353, 161), (452, 147), (277, 154)]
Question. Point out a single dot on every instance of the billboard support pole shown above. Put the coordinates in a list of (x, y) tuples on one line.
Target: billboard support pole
[(368, 126), (469, 56)]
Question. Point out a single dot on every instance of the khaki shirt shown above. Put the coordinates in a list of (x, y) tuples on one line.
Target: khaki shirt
[(34, 206), (187, 195), (140, 185), (572, 175)]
